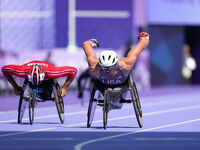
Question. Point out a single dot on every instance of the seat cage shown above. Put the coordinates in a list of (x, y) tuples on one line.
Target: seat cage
[(112, 97), (43, 91), (112, 91)]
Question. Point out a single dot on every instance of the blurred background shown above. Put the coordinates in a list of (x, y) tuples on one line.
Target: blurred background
[(53, 30)]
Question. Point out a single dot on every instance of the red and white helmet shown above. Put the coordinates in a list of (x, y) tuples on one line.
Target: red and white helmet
[(36, 74)]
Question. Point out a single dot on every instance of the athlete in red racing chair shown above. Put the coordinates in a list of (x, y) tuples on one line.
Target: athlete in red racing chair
[(36, 72)]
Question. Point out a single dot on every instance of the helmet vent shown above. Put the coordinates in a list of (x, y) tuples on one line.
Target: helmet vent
[(109, 57), (34, 79), (103, 58), (113, 60)]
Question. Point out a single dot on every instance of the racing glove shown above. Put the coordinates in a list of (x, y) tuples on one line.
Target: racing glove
[(95, 42), (142, 34)]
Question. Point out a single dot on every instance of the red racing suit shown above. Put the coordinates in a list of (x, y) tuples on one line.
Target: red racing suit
[(50, 70)]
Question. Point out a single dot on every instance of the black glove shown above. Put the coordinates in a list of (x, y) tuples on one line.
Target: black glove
[(95, 42)]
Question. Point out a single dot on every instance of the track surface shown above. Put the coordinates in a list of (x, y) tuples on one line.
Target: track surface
[(171, 120)]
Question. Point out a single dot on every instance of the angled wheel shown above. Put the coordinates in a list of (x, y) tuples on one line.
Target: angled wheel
[(58, 101), (91, 108), (106, 108), (136, 103), (137, 111), (137, 99), (22, 103), (32, 96)]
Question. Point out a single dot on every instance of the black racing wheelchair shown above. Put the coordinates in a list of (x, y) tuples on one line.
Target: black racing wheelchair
[(40, 93), (110, 96)]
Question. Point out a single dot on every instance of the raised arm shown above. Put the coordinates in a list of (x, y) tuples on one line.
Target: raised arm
[(90, 53), (132, 55)]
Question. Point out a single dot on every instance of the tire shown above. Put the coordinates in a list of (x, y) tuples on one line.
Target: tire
[(59, 101), (137, 99), (32, 96), (91, 109), (137, 112), (105, 108), (22, 103)]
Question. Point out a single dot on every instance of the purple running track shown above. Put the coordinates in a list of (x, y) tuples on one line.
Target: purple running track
[(171, 120)]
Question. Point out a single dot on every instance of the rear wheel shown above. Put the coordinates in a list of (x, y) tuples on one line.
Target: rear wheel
[(22, 103), (137, 99), (105, 108), (58, 101), (137, 112), (32, 96), (91, 109)]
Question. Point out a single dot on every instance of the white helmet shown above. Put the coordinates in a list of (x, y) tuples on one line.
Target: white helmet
[(108, 58)]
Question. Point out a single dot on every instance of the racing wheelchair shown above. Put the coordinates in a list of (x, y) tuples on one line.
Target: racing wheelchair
[(40, 93), (110, 96)]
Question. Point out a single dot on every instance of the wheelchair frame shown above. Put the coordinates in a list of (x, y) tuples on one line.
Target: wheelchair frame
[(33, 98), (110, 96)]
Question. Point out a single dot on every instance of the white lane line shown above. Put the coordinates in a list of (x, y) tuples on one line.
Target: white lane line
[(44, 129), (98, 121), (80, 145), (166, 139), (42, 108), (145, 105), (50, 116), (43, 139), (99, 110)]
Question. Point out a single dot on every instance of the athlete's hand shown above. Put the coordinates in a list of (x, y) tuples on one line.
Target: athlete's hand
[(143, 35), (94, 42), (63, 91)]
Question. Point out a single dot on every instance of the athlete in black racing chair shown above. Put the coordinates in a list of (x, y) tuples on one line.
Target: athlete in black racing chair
[(111, 72)]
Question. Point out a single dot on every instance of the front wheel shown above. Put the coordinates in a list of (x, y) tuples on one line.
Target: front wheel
[(32, 96)]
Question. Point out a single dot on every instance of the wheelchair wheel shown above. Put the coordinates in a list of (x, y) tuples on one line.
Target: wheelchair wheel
[(91, 108), (137, 111), (58, 101), (137, 99), (105, 108), (22, 103), (32, 96)]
